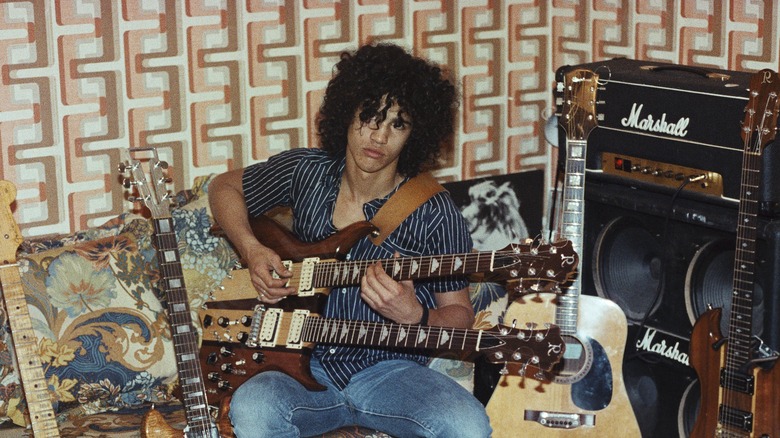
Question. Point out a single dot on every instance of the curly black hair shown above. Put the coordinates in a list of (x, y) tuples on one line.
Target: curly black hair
[(384, 74)]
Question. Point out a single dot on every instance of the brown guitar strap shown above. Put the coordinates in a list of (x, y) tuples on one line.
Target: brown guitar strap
[(402, 203)]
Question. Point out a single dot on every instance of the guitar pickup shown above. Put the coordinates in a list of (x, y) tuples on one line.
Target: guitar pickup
[(306, 280), (735, 418), (296, 328), (736, 381), (269, 326)]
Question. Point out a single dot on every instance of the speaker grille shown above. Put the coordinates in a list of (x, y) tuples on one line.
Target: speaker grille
[(627, 263)]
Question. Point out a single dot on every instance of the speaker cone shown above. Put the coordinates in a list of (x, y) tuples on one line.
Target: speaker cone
[(709, 281), (627, 267)]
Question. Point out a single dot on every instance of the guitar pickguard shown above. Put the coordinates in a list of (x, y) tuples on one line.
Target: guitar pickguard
[(594, 391)]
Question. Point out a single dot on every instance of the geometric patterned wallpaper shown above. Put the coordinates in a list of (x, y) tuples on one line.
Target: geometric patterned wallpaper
[(216, 85)]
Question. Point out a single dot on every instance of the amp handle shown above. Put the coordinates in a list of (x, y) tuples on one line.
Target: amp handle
[(686, 68)]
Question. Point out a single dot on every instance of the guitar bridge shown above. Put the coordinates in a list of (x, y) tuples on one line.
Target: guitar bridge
[(560, 420), (254, 329)]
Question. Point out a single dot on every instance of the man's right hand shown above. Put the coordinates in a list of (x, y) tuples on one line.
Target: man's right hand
[(264, 264)]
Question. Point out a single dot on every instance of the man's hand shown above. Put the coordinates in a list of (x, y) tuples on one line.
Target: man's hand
[(263, 264), (392, 299)]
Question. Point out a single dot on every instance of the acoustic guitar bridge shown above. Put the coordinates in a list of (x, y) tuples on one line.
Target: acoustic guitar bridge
[(560, 420)]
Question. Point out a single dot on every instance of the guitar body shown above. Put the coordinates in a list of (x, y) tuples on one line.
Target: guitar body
[(273, 235), (154, 424), (233, 362), (707, 361), (590, 385)]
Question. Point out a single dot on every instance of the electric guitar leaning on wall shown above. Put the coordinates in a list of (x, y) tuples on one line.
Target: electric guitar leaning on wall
[(586, 395), (740, 385), (153, 194), (36, 390), (241, 339)]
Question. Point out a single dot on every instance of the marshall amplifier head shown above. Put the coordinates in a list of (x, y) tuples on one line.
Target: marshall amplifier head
[(662, 123)]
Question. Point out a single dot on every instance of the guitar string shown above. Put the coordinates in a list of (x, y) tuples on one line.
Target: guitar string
[(739, 334)]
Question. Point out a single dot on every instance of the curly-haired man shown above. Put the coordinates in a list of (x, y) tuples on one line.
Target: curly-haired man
[(384, 118)]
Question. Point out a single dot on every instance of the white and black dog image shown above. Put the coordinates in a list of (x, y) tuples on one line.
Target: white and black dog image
[(493, 215)]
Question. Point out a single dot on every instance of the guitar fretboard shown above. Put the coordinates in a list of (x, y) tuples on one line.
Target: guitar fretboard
[(345, 332), (740, 331), (36, 389), (567, 311), (185, 341), (338, 273)]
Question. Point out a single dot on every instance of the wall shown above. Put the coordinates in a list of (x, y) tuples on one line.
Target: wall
[(216, 85)]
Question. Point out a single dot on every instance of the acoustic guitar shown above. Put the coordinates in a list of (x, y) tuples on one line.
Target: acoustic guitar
[(43, 423), (585, 394), (740, 386), (154, 195)]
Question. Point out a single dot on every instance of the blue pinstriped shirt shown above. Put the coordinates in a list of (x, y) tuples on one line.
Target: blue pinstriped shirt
[(308, 180)]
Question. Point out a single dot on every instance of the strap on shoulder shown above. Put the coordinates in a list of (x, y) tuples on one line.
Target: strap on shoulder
[(402, 203)]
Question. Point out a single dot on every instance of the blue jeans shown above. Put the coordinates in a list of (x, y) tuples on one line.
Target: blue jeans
[(398, 397)]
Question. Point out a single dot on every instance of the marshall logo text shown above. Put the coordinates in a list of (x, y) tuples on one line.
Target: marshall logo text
[(668, 351), (651, 124)]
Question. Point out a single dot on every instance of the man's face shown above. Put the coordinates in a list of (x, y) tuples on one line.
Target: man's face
[(375, 145)]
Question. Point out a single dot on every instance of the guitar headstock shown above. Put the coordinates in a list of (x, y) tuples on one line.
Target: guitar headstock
[(10, 236), (578, 103), (152, 191), (530, 349), (760, 124), (538, 267)]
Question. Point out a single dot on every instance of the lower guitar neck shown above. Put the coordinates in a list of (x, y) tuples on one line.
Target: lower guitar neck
[(35, 388)]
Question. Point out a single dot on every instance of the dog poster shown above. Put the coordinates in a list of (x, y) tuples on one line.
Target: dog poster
[(501, 209)]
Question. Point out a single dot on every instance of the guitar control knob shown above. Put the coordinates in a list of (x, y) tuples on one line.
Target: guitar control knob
[(213, 376), (223, 385), (207, 321), (246, 320), (223, 322), (226, 351), (258, 356), (211, 359)]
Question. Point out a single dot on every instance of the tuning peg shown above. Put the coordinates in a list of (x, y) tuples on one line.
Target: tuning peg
[(162, 164), (521, 371), (122, 167)]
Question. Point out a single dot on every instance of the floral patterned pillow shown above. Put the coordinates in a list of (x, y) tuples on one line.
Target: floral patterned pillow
[(104, 338)]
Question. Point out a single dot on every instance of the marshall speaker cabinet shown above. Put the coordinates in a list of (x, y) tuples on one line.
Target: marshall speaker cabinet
[(661, 249)]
